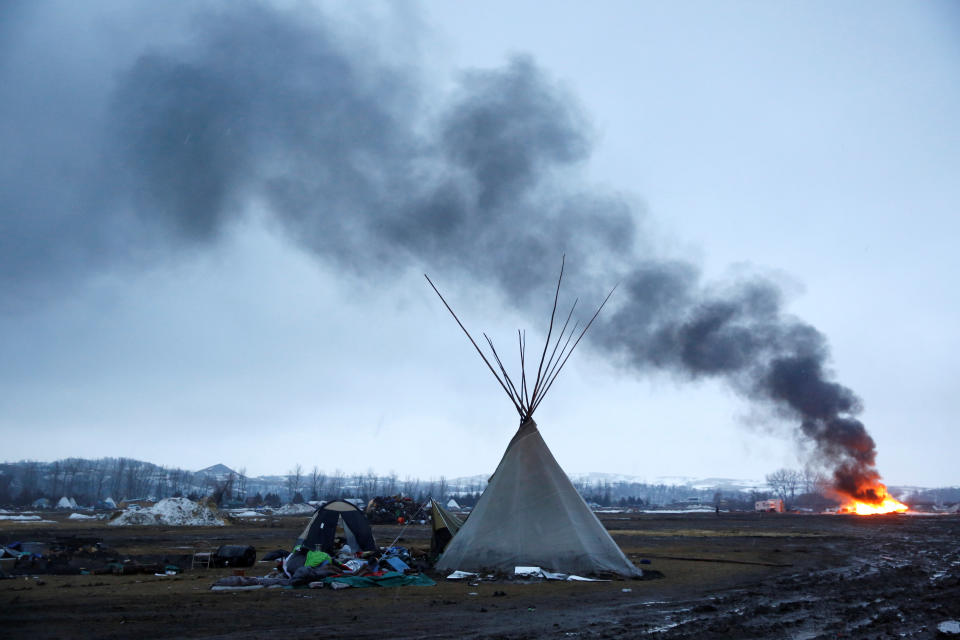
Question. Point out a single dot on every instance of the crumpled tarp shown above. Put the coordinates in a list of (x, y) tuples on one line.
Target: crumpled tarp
[(388, 579)]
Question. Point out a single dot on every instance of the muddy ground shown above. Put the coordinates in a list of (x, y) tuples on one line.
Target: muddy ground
[(726, 576)]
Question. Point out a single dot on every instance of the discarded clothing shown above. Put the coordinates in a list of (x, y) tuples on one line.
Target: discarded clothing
[(316, 559), (304, 575)]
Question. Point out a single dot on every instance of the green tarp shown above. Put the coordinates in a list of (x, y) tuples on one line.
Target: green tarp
[(389, 579)]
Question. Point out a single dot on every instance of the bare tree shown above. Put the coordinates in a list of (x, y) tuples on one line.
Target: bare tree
[(222, 488), (30, 483), (390, 483), (241, 492), (295, 480), (100, 470), (336, 489), (813, 480), (358, 483), (314, 483), (130, 481), (410, 487), (116, 478), (56, 470), (785, 483), (69, 474), (178, 482)]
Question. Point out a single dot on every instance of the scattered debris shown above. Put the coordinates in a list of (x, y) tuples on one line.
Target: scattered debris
[(392, 509)]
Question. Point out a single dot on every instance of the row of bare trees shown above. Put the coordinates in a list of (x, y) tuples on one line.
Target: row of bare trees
[(90, 482), (316, 484), (804, 487)]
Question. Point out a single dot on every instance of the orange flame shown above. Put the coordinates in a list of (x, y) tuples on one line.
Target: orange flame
[(884, 503)]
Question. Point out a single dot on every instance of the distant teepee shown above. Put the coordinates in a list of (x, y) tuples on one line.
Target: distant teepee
[(530, 513)]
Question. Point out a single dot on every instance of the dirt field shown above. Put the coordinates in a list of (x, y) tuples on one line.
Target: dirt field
[(727, 576)]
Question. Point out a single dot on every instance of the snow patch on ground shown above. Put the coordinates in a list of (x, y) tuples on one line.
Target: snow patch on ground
[(171, 511), (21, 518), (80, 516), (294, 509)]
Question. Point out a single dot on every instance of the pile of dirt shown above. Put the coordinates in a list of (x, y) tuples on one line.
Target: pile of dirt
[(179, 512)]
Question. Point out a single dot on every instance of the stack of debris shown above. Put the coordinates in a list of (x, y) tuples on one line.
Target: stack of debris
[(392, 509), (66, 555)]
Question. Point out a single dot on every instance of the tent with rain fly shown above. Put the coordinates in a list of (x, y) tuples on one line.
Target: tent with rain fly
[(530, 514), (445, 526), (320, 534)]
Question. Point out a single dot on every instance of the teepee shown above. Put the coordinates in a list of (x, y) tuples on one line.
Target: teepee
[(530, 514)]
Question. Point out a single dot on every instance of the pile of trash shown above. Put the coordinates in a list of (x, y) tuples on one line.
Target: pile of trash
[(392, 509), (171, 512), (346, 568)]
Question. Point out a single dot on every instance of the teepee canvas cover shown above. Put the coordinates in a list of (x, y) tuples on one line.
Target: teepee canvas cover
[(530, 514)]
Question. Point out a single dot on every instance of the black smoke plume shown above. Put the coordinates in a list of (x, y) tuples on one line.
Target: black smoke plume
[(188, 119)]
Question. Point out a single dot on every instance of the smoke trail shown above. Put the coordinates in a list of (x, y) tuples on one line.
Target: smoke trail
[(369, 168), (742, 334)]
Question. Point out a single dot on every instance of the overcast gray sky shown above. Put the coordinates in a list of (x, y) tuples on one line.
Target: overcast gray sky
[(214, 221)]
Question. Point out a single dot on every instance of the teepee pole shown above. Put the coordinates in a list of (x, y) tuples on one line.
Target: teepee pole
[(556, 296), (563, 351), (548, 369), (553, 353), (523, 371), (559, 368), (487, 362), (503, 370)]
